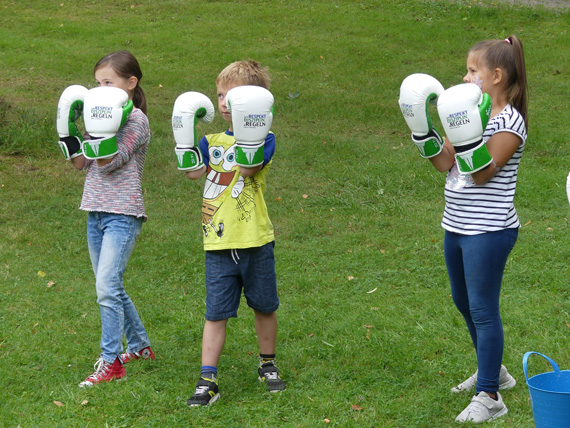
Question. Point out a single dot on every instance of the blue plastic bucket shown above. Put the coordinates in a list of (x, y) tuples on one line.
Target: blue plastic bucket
[(549, 395)]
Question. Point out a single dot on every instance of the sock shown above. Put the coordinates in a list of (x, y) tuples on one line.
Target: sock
[(209, 369), (266, 358)]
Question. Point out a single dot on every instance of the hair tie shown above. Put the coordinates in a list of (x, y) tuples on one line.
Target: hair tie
[(508, 40)]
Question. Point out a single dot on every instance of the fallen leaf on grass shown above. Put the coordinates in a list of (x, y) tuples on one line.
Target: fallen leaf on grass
[(305, 196), (355, 407), (278, 199), (350, 277), (84, 403), (50, 284), (42, 274), (58, 403), (327, 421), (528, 222), (312, 334)]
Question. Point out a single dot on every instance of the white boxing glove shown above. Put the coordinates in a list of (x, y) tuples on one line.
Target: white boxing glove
[(106, 109), (69, 110), (189, 108), (251, 108), (464, 112), (416, 92), (568, 187)]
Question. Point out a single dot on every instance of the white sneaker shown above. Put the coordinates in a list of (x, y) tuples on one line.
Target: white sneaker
[(506, 381), (483, 409)]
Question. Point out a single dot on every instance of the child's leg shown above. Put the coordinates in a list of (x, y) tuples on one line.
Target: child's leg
[(111, 240), (213, 340), (488, 254), (266, 328)]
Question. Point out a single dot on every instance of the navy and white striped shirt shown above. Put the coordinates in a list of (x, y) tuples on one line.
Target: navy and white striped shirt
[(472, 209)]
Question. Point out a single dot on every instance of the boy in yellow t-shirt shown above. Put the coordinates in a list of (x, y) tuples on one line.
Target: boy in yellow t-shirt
[(238, 234)]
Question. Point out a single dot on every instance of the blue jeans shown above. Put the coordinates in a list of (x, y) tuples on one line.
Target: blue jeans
[(111, 239), (475, 264)]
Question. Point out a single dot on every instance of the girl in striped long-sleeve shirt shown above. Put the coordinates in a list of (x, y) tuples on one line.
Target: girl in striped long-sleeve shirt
[(113, 198), (480, 220)]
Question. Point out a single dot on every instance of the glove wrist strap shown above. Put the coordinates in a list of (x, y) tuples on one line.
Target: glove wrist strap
[(100, 148), (188, 158), (473, 160), (429, 145), (249, 155)]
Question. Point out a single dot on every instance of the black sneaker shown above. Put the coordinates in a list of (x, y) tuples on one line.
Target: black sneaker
[(269, 374), (206, 392)]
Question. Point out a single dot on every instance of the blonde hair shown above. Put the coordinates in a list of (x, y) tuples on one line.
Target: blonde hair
[(244, 73), (508, 55)]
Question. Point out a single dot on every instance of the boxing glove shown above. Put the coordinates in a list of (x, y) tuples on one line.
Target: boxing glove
[(105, 109), (464, 112), (189, 108), (416, 93), (69, 110), (251, 108), (568, 187)]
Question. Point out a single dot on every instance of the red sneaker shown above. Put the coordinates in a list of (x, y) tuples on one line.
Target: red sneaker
[(105, 372), (145, 354)]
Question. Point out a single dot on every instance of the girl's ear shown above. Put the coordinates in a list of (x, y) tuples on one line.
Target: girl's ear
[(497, 76), (132, 83)]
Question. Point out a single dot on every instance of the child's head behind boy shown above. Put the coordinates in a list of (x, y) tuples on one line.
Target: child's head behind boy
[(239, 73)]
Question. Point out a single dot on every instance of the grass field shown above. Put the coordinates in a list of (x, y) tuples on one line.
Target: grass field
[(369, 336)]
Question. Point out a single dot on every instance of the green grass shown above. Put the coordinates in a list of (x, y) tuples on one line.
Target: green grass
[(369, 336)]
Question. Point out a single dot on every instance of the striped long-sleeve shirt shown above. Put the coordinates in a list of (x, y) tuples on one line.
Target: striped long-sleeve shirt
[(471, 209), (116, 187)]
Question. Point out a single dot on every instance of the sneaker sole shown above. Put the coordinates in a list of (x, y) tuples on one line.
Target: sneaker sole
[(91, 385), (212, 401), (498, 415)]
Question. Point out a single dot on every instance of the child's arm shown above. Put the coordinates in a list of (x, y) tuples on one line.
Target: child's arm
[(197, 173), (445, 159), (501, 146), (248, 172)]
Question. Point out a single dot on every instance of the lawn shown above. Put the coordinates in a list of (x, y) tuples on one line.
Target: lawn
[(368, 333)]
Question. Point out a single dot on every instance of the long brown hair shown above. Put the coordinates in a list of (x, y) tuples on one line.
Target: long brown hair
[(126, 65), (508, 55)]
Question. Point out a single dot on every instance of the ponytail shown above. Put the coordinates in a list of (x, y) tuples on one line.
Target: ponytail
[(518, 91), (139, 99)]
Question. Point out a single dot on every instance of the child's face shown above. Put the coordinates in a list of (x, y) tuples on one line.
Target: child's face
[(478, 73), (222, 107), (107, 76)]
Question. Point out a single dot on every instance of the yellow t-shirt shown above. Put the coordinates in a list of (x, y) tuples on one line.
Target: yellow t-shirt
[(234, 214)]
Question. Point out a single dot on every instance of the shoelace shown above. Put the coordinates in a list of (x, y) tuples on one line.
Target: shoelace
[(200, 390), (101, 368)]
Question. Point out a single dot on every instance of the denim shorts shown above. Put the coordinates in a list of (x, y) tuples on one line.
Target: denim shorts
[(230, 271)]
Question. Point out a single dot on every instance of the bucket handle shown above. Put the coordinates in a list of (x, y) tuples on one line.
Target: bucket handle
[(555, 367)]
